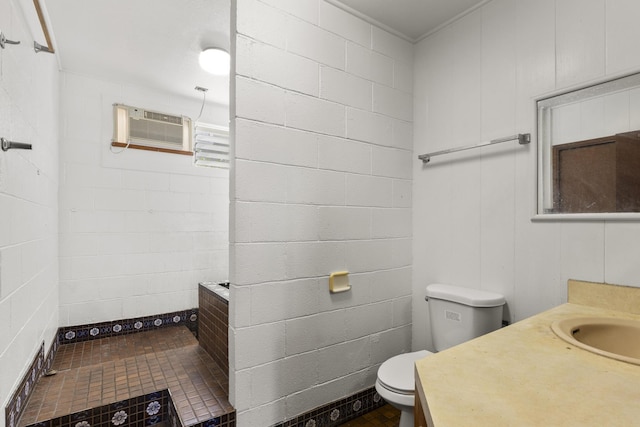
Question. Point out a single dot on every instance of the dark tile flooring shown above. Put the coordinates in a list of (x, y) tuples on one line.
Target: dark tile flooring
[(385, 416), (107, 370)]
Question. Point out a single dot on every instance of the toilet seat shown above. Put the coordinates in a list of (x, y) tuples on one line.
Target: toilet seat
[(397, 373)]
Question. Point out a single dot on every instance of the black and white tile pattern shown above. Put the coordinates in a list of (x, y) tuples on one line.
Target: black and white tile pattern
[(38, 366), (338, 412), (79, 333), (142, 411)]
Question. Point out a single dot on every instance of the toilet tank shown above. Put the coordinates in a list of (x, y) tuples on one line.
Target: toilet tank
[(460, 314)]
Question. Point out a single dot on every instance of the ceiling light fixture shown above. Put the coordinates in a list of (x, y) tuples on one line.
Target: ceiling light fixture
[(215, 61)]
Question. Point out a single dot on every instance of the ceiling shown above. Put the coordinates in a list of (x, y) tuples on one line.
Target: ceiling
[(410, 18), (155, 43)]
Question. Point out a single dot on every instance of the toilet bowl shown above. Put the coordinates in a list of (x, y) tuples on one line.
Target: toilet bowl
[(456, 315), (396, 383)]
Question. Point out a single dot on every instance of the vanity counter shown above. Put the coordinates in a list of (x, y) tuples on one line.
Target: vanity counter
[(524, 375)]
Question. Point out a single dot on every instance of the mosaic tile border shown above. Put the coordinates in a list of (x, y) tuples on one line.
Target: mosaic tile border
[(80, 333), (18, 400), (338, 412), (142, 411), (51, 354)]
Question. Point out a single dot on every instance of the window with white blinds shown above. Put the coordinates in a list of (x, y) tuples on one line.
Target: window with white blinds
[(211, 146)]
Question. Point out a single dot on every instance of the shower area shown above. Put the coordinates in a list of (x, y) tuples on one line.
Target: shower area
[(170, 369), (141, 234)]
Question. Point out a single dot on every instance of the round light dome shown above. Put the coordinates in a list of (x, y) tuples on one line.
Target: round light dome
[(215, 61)]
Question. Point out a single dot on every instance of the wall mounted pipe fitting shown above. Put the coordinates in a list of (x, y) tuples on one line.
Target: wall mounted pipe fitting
[(4, 41), (8, 145)]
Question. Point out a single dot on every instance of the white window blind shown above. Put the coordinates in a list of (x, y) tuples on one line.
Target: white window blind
[(211, 146)]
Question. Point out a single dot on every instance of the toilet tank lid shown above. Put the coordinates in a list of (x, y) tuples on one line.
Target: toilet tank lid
[(466, 296)]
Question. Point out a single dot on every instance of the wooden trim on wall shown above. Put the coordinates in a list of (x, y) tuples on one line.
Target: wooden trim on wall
[(147, 148), (43, 24)]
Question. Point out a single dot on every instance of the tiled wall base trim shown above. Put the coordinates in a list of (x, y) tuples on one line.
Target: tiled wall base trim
[(39, 365), (18, 401), (338, 412), (142, 411), (79, 333)]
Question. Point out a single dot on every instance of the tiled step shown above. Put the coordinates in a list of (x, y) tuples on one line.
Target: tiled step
[(109, 371)]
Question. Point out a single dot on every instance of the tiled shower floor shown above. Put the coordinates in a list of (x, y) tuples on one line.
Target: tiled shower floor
[(108, 370)]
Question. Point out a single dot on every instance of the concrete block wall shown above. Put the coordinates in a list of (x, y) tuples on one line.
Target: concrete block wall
[(321, 183), (28, 201), (478, 79), (138, 229)]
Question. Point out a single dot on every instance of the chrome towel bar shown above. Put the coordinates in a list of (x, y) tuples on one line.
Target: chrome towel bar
[(522, 138)]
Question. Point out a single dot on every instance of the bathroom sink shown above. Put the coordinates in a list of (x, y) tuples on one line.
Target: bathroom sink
[(610, 337)]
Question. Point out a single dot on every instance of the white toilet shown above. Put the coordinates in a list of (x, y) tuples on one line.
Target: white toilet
[(456, 315)]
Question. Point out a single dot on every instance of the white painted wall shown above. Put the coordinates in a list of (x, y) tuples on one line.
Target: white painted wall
[(475, 80), (139, 229), (28, 202), (322, 183)]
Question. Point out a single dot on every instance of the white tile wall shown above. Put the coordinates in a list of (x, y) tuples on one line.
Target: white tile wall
[(365, 190), (344, 24), (314, 114), (316, 43), (344, 155), (344, 88), (363, 62), (314, 259), (259, 101), (268, 337), (392, 102), (369, 127), (322, 184), (138, 230), (258, 60), (269, 143), (472, 212), (341, 359), (28, 202)]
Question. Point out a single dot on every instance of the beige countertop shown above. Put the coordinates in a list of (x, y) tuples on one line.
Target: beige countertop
[(524, 375)]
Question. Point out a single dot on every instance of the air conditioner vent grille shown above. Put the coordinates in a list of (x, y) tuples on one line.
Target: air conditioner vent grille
[(211, 147), (152, 115)]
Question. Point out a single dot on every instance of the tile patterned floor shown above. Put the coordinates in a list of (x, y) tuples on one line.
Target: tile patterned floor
[(385, 416), (104, 371)]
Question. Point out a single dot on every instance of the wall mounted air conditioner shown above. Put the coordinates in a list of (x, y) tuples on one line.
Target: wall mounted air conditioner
[(146, 128)]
